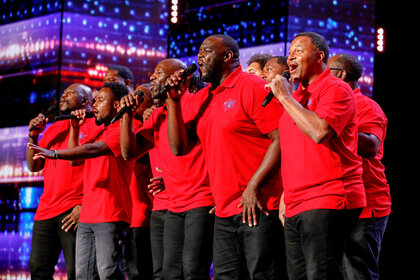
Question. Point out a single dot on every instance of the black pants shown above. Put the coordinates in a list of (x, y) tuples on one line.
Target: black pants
[(315, 243), (137, 258), (48, 240), (240, 251), (187, 243), (363, 247), (157, 222)]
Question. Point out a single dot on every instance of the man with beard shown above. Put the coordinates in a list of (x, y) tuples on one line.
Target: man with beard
[(321, 171), (241, 145), (57, 215), (106, 204), (188, 225)]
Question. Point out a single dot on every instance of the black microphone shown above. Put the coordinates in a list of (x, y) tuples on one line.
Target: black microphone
[(72, 117), (124, 109), (270, 95), (184, 75), (48, 114)]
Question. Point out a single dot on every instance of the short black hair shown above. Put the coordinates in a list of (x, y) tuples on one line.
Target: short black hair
[(124, 72), (282, 60), (352, 66), (318, 41), (230, 43), (119, 90), (260, 58)]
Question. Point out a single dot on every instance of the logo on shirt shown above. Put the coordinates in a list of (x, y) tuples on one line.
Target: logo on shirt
[(229, 104)]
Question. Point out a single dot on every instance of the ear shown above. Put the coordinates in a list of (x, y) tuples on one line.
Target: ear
[(116, 104), (321, 56), (127, 82), (228, 55), (343, 75)]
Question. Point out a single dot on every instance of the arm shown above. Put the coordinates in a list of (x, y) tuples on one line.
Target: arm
[(249, 199), (133, 145), (36, 126), (177, 131), (74, 133), (85, 151), (307, 121), (368, 145)]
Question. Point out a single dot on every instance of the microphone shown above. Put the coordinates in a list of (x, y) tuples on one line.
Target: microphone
[(184, 75), (270, 95), (124, 109), (72, 117), (48, 114)]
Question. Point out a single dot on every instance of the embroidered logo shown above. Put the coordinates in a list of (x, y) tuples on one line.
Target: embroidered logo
[(229, 104)]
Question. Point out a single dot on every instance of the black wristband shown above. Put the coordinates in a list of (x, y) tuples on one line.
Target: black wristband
[(55, 154)]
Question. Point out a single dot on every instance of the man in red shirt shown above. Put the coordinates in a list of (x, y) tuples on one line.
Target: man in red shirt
[(321, 171), (106, 205), (188, 225), (363, 247), (241, 145), (57, 215), (137, 252)]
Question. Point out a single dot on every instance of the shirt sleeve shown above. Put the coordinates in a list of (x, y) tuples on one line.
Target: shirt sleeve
[(371, 119), (336, 106), (265, 118)]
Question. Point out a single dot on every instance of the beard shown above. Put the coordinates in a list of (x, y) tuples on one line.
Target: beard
[(212, 73)]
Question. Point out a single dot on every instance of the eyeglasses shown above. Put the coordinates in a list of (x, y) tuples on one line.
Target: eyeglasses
[(338, 69)]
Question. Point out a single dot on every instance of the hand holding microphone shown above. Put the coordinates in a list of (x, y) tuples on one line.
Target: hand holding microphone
[(176, 79), (128, 102), (270, 95)]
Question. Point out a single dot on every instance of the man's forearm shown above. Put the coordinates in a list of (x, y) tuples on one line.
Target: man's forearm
[(306, 120), (85, 151), (177, 132)]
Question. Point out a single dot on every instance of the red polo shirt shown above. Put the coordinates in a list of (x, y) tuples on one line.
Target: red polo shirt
[(186, 178), (371, 119), (232, 129), (62, 182), (106, 180), (326, 175), (160, 200)]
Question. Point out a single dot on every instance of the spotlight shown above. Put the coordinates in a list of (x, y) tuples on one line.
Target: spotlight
[(380, 36), (174, 11)]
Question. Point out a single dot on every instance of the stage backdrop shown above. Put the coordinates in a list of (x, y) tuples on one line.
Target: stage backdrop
[(46, 45)]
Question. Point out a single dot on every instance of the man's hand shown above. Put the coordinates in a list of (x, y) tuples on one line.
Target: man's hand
[(251, 205), (282, 209), (280, 87), (81, 118), (156, 185), (72, 219), (40, 152), (132, 101), (37, 125), (177, 89)]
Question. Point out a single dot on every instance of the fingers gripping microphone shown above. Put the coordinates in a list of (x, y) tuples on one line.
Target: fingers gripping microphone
[(270, 95), (184, 75), (72, 117), (52, 110), (124, 109)]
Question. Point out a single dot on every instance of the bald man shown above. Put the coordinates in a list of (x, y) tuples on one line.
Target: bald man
[(57, 216)]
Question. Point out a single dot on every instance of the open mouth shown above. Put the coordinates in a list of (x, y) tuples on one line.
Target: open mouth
[(293, 68)]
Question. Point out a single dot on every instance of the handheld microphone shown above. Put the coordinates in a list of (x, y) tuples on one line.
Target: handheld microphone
[(184, 75), (124, 109), (270, 95), (48, 114), (72, 117)]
